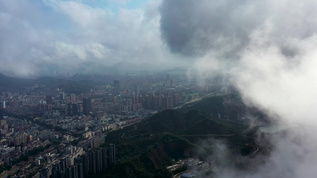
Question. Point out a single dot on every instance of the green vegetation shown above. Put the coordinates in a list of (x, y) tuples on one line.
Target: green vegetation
[(223, 106), (33, 173), (25, 157), (33, 152), (140, 166), (145, 149), (5, 167)]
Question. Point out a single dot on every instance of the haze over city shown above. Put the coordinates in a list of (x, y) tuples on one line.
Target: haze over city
[(123, 64)]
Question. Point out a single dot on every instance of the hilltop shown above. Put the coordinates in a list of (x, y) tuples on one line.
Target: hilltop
[(145, 149)]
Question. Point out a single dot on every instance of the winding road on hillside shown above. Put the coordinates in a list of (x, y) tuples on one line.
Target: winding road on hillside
[(197, 99)]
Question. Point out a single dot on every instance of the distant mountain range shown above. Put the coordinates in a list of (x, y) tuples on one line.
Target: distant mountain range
[(98, 68), (13, 82), (72, 78), (8, 83)]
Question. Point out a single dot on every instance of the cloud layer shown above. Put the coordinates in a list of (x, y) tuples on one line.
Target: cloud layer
[(193, 28), (269, 50), (41, 36), (276, 42)]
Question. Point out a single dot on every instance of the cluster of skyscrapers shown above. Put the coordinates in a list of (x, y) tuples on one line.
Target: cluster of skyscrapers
[(88, 164), (160, 101), (74, 109)]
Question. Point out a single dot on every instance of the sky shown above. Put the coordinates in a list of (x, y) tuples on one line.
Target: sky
[(40, 36), (267, 48)]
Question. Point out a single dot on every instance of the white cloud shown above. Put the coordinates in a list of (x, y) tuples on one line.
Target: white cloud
[(67, 32), (269, 50)]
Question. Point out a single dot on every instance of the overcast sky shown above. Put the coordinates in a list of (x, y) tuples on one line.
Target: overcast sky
[(40, 34)]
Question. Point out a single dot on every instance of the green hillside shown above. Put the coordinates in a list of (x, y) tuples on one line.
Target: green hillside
[(219, 106), (145, 149)]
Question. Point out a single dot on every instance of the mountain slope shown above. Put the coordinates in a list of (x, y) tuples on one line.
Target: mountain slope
[(169, 135)]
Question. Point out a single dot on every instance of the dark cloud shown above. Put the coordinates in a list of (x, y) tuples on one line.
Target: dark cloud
[(194, 27)]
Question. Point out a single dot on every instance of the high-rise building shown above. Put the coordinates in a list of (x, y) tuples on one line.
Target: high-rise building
[(79, 167), (62, 96), (56, 171), (112, 154), (80, 170), (3, 124), (99, 160), (69, 110), (72, 98), (72, 109), (63, 164), (75, 109), (3, 104), (1, 113), (68, 172), (2, 107), (116, 86), (49, 99), (86, 164), (104, 158), (92, 162), (87, 106), (74, 170)]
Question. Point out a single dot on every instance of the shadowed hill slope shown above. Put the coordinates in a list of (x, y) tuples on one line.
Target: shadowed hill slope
[(166, 136)]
